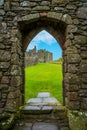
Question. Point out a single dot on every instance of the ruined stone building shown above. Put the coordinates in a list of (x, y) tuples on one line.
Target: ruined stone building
[(33, 56), (66, 20)]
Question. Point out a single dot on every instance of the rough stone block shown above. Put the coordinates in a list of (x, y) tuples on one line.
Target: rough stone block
[(5, 79), (82, 12), (72, 96), (11, 95), (50, 101), (16, 4), (34, 101), (73, 105), (44, 126), (43, 95), (2, 12), (14, 58), (11, 105), (4, 65), (84, 54), (72, 50), (64, 128), (39, 8), (25, 3), (4, 87), (67, 19), (4, 25), (71, 7), (67, 43), (48, 108), (83, 92), (1, 2), (45, 3), (77, 120), (15, 70), (29, 17), (84, 80), (83, 68), (83, 86), (16, 81), (5, 55), (71, 78), (59, 1), (71, 87), (59, 8), (80, 39), (72, 68), (29, 108), (7, 5), (84, 103), (76, 21), (54, 15), (71, 29), (73, 58), (33, 4)]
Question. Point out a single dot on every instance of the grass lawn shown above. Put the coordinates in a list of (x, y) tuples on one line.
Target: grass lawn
[(43, 77)]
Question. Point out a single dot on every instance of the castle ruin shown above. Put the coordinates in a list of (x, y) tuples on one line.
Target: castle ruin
[(33, 56)]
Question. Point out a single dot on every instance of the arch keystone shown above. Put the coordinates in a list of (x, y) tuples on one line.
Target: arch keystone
[(44, 14)]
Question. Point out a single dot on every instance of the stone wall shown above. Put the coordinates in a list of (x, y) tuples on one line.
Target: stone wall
[(20, 21), (33, 56)]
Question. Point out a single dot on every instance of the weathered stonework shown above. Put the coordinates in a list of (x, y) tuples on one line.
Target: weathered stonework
[(78, 120), (20, 21)]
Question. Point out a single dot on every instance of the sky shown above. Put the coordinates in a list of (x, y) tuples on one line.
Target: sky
[(44, 40)]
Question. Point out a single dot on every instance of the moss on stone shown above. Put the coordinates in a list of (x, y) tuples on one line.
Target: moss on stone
[(6, 121), (77, 120)]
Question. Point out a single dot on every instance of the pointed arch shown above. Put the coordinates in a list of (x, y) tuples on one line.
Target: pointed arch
[(52, 22)]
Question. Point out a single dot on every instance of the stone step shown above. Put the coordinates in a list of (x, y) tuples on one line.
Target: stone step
[(45, 108), (43, 94), (44, 104), (46, 114), (51, 112), (43, 101)]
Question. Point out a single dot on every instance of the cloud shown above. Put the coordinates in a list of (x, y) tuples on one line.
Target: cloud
[(44, 36), (41, 38)]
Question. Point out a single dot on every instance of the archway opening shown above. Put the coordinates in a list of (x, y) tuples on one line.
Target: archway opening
[(30, 29), (43, 67)]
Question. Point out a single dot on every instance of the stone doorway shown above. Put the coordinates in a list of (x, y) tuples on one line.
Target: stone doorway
[(29, 30)]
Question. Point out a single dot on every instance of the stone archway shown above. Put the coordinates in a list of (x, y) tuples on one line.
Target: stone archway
[(15, 15), (54, 23)]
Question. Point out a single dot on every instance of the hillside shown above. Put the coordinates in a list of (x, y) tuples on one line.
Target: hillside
[(43, 77)]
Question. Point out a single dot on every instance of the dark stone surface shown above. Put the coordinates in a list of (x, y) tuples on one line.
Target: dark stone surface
[(44, 126), (82, 13), (37, 126)]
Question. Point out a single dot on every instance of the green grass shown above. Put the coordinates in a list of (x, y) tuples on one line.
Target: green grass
[(43, 77)]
